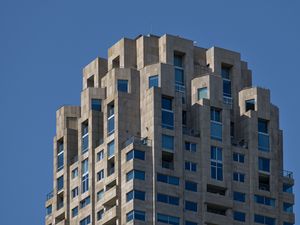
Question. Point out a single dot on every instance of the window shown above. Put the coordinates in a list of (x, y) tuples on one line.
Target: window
[(100, 175), (168, 142), (111, 149), (190, 186), (263, 135), (167, 115), (100, 214), (190, 223), (135, 174), (75, 192), (191, 206), (167, 199), (135, 154), (202, 93), (168, 179), (100, 155), (135, 194), (60, 183), (85, 221), (263, 200), (60, 155), (287, 188), (216, 209), (264, 182), (190, 166), (216, 164), (179, 71), (153, 81), (168, 219), (250, 104), (75, 211), (85, 175), (136, 215), (167, 160), (264, 219), (184, 118), (190, 146), (264, 164), (239, 216), (239, 196), (85, 136), (85, 202), (110, 118), (48, 210), (216, 190), (288, 207), (225, 72), (287, 223), (216, 124), (100, 195), (238, 157), (96, 104), (123, 85), (240, 177), (74, 173), (90, 81)]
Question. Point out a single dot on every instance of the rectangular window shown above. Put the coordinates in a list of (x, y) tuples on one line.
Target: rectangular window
[(85, 202), (135, 154), (240, 177), (263, 135), (216, 124), (191, 206), (168, 179), (264, 220), (288, 207), (85, 137), (100, 155), (110, 118), (153, 81), (85, 175), (225, 72), (202, 93), (167, 199), (216, 164), (238, 157), (163, 218), (75, 192), (239, 196), (123, 85), (287, 223), (239, 216), (49, 210), (136, 215), (250, 104), (100, 175), (191, 186), (85, 166), (168, 142), (167, 115), (190, 166), (60, 183), (111, 149), (179, 71), (75, 173), (263, 200), (135, 174), (100, 195), (190, 223), (190, 146), (264, 164), (60, 155), (85, 221), (75, 211), (96, 104), (136, 194), (100, 214), (287, 188)]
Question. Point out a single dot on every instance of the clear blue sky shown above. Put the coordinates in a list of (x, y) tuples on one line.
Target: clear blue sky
[(44, 44)]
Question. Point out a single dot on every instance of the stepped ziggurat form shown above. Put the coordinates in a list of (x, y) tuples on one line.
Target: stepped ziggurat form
[(169, 133)]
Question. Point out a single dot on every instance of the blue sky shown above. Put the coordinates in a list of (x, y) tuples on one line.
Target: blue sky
[(45, 44)]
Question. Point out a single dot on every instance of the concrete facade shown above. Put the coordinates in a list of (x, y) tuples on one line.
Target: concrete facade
[(207, 144)]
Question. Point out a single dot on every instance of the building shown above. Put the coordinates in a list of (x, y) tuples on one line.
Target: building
[(169, 133)]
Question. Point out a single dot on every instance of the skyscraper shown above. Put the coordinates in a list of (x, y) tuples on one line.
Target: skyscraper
[(169, 133)]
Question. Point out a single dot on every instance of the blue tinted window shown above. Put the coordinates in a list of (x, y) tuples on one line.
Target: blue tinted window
[(238, 157), (153, 81), (288, 207), (227, 88), (287, 223), (191, 206), (96, 104), (136, 174), (239, 216), (48, 210), (167, 179), (190, 223), (191, 166), (178, 60), (167, 142), (110, 118), (85, 137), (167, 199), (179, 76), (239, 177), (168, 219), (190, 186), (136, 214), (264, 219), (137, 154), (123, 85), (288, 188), (264, 164), (75, 211), (202, 93), (263, 126), (264, 200), (111, 148), (85, 202), (100, 175), (167, 119), (216, 164), (85, 221), (238, 196), (225, 72), (166, 103), (190, 146), (215, 115), (60, 183), (85, 183), (135, 194)]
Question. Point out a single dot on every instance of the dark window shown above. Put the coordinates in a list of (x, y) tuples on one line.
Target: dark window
[(191, 206), (250, 104), (96, 104), (168, 179), (153, 81), (264, 164), (239, 216), (123, 85), (190, 186), (239, 196)]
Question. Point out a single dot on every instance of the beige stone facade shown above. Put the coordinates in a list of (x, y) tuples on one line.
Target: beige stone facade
[(169, 133)]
